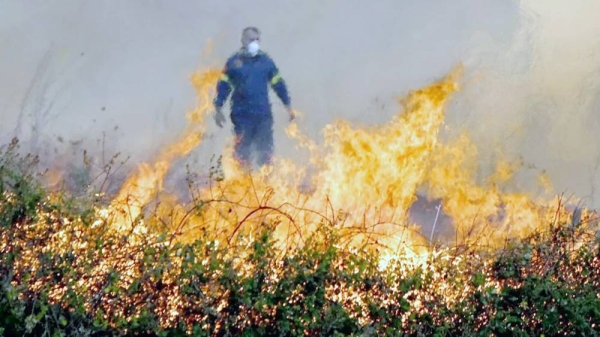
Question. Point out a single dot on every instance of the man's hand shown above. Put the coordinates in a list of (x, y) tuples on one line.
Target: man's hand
[(219, 118), (291, 113)]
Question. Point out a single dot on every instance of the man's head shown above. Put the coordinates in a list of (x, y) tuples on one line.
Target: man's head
[(250, 39)]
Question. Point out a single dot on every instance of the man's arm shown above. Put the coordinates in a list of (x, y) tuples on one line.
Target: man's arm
[(224, 88), (280, 88)]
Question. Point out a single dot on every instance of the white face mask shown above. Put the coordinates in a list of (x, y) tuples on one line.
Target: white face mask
[(253, 48)]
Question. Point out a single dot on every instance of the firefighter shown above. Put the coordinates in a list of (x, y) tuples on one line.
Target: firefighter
[(247, 76)]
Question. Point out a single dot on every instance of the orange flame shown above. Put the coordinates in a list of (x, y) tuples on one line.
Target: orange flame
[(140, 188), (365, 183)]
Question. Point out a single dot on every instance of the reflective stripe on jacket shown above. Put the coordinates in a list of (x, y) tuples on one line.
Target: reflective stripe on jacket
[(249, 78)]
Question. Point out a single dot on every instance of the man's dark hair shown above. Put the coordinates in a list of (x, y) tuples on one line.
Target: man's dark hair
[(254, 29)]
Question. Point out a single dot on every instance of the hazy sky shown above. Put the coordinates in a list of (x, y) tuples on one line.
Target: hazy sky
[(530, 86)]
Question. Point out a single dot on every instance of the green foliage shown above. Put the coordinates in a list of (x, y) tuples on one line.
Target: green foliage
[(19, 194), (61, 274)]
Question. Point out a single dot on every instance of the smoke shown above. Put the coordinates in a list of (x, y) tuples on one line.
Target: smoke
[(115, 77), (537, 101)]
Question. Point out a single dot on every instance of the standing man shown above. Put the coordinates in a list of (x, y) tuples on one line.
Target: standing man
[(248, 74)]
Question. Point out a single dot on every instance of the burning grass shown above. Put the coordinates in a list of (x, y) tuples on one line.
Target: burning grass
[(257, 255), (64, 272)]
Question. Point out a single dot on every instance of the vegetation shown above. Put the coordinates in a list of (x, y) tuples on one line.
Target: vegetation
[(63, 272)]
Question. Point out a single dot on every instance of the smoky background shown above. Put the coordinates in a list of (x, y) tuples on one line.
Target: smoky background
[(110, 77)]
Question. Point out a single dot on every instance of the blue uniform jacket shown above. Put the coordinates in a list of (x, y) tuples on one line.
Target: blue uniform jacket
[(249, 78)]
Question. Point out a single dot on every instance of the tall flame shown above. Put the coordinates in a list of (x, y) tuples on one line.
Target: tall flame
[(141, 187), (365, 181)]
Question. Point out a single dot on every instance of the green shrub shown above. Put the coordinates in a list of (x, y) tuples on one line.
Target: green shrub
[(62, 274)]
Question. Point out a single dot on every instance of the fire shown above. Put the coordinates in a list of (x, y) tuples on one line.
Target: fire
[(362, 184), (140, 188), (366, 180), (483, 214)]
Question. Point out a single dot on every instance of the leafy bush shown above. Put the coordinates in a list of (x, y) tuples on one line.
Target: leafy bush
[(64, 273)]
